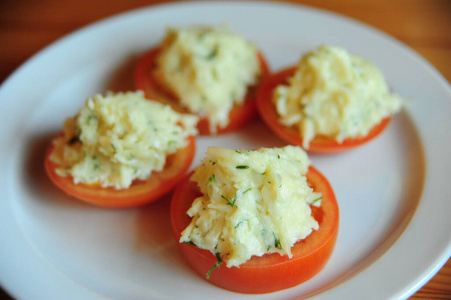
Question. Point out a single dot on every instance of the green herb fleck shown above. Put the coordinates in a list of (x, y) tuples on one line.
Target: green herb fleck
[(190, 243), (240, 222), (242, 167), (317, 199), (229, 202), (96, 167), (247, 190), (278, 156), (276, 242), (213, 53), (212, 178), (217, 264), (239, 152)]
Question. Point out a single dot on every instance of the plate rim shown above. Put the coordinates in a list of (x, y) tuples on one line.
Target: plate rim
[(439, 261)]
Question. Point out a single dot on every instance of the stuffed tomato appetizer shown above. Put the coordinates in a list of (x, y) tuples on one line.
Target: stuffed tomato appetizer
[(255, 221), (122, 150), (331, 101), (210, 72)]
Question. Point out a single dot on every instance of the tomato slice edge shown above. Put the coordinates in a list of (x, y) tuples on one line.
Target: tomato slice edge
[(319, 144), (239, 116), (139, 193), (259, 268)]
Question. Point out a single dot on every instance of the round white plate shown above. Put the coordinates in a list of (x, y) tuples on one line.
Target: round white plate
[(393, 192)]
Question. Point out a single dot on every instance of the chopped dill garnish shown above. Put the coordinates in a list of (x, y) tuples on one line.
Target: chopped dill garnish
[(229, 202), (212, 178), (247, 191), (242, 167), (217, 264), (276, 242), (317, 199), (240, 222)]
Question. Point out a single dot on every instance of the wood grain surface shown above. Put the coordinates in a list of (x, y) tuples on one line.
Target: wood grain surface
[(27, 26)]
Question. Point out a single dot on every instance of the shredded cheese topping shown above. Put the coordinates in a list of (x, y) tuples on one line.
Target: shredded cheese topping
[(118, 138), (253, 203), (335, 94), (209, 70)]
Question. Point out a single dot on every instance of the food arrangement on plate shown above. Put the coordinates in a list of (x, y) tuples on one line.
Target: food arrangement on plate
[(209, 72), (331, 101), (250, 221), (255, 221), (122, 150)]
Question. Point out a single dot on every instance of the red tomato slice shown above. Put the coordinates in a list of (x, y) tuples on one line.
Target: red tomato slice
[(320, 144), (270, 272), (153, 89), (139, 193)]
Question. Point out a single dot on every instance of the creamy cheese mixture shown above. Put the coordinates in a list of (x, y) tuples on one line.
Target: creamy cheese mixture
[(118, 138), (335, 94), (254, 202), (208, 69)]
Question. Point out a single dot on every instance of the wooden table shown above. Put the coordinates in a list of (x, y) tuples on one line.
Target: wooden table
[(26, 26)]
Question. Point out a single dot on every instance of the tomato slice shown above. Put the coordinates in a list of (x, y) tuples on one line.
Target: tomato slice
[(319, 144), (239, 116), (139, 193), (270, 272)]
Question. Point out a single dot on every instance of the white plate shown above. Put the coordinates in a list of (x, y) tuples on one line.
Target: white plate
[(393, 193)]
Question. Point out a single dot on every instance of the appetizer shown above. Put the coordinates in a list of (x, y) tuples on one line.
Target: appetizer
[(122, 150), (331, 101), (210, 72), (255, 221)]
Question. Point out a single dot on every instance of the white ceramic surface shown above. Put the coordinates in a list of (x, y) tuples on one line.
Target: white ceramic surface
[(393, 192)]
